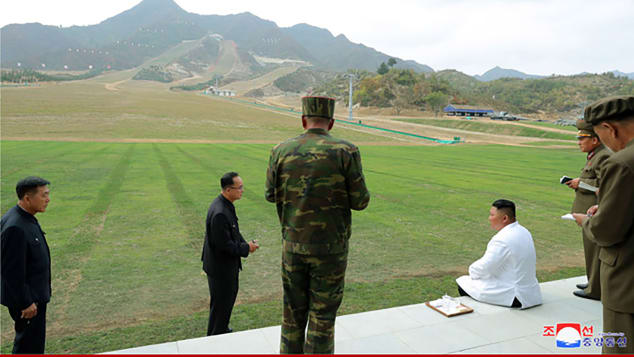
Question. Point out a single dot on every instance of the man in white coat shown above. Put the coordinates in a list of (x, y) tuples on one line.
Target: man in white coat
[(505, 275)]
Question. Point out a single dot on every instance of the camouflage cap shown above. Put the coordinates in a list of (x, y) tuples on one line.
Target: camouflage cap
[(585, 129), (321, 107), (611, 108)]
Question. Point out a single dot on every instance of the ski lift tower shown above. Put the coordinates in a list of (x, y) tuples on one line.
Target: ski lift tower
[(351, 77)]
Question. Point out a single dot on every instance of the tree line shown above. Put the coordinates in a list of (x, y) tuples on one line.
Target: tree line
[(401, 89)]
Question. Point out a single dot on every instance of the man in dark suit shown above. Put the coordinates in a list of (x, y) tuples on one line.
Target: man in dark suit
[(26, 266), (222, 250)]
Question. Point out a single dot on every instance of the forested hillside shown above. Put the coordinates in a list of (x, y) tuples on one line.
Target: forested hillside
[(403, 89)]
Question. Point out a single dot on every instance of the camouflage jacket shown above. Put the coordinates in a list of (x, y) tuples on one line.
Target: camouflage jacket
[(315, 180)]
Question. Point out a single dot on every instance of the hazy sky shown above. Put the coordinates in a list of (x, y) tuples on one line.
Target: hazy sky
[(533, 36)]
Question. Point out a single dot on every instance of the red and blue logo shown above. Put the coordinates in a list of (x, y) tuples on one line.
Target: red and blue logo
[(568, 335)]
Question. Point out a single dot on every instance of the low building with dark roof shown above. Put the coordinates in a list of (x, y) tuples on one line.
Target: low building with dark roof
[(467, 110)]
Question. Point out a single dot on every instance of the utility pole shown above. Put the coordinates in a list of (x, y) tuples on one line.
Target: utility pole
[(351, 77)]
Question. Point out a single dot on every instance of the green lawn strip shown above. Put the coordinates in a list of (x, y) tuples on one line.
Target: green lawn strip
[(551, 143), (358, 297), (73, 213), (87, 110), (200, 168), (492, 128), (416, 219), (186, 209), (55, 150), (77, 250), (570, 128), (44, 160), (143, 266)]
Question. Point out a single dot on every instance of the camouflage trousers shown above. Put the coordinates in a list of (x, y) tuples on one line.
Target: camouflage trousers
[(313, 290)]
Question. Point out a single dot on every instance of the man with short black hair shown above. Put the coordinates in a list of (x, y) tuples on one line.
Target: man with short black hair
[(222, 249), (26, 266), (506, 274), (611, 223)]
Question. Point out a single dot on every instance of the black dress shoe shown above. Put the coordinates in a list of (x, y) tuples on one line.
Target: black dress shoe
[(229, 330), (582, 286), (582, 294)]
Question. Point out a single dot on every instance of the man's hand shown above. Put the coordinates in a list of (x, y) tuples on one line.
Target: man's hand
[(580, 218), (29, 312), (574, 183), (593, 210), (253, 246)]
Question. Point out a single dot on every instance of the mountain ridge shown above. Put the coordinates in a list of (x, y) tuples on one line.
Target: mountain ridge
[(152, 26), (498, 72)]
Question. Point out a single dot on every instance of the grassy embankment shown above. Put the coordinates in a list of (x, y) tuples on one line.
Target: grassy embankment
[(495, 128)]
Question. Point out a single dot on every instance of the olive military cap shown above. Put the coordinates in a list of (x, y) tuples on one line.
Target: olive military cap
[(321, 107), (611, 108), (585, 129)]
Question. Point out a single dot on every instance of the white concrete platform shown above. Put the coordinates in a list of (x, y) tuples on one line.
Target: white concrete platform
[(418, 329)]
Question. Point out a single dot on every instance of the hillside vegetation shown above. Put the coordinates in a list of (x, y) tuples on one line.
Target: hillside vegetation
[(154, 73), (31, 76), (403, 89)]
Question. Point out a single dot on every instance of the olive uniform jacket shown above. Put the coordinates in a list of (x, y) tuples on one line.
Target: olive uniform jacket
[(590, 174), (612, 228), (26, 261)]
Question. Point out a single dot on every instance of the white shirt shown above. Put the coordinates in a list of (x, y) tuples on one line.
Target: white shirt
[(506, 271)]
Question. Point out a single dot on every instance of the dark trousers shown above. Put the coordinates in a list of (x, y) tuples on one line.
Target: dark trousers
[(30, 335), (516, 303), (223, 292)]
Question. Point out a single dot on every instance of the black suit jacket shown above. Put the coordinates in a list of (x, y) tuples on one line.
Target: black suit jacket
[(224, 244), (26, 261)]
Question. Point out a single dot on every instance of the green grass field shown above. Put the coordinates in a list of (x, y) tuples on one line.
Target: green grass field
[(554, 126), (87, 111), (125, 227), (566, 144), (129, 199), (494, 128)]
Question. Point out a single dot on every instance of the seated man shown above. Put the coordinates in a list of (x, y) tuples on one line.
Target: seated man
[(505, 275)]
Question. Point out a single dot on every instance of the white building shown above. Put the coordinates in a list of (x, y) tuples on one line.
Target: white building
[(211, 90)]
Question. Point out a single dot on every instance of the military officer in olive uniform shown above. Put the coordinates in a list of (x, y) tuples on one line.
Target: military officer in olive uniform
[(611, 224), (589, 143), (314, 180)]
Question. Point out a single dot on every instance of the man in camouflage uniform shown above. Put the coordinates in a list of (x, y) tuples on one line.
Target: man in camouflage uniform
[(314, 179), (589, 143), (611, 223)]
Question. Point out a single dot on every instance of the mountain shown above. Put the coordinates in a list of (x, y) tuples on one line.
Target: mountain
[(621, 74), (337, 53), (152, 27), (464, 82), (120, 42), (498, 72), (251, 33)]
